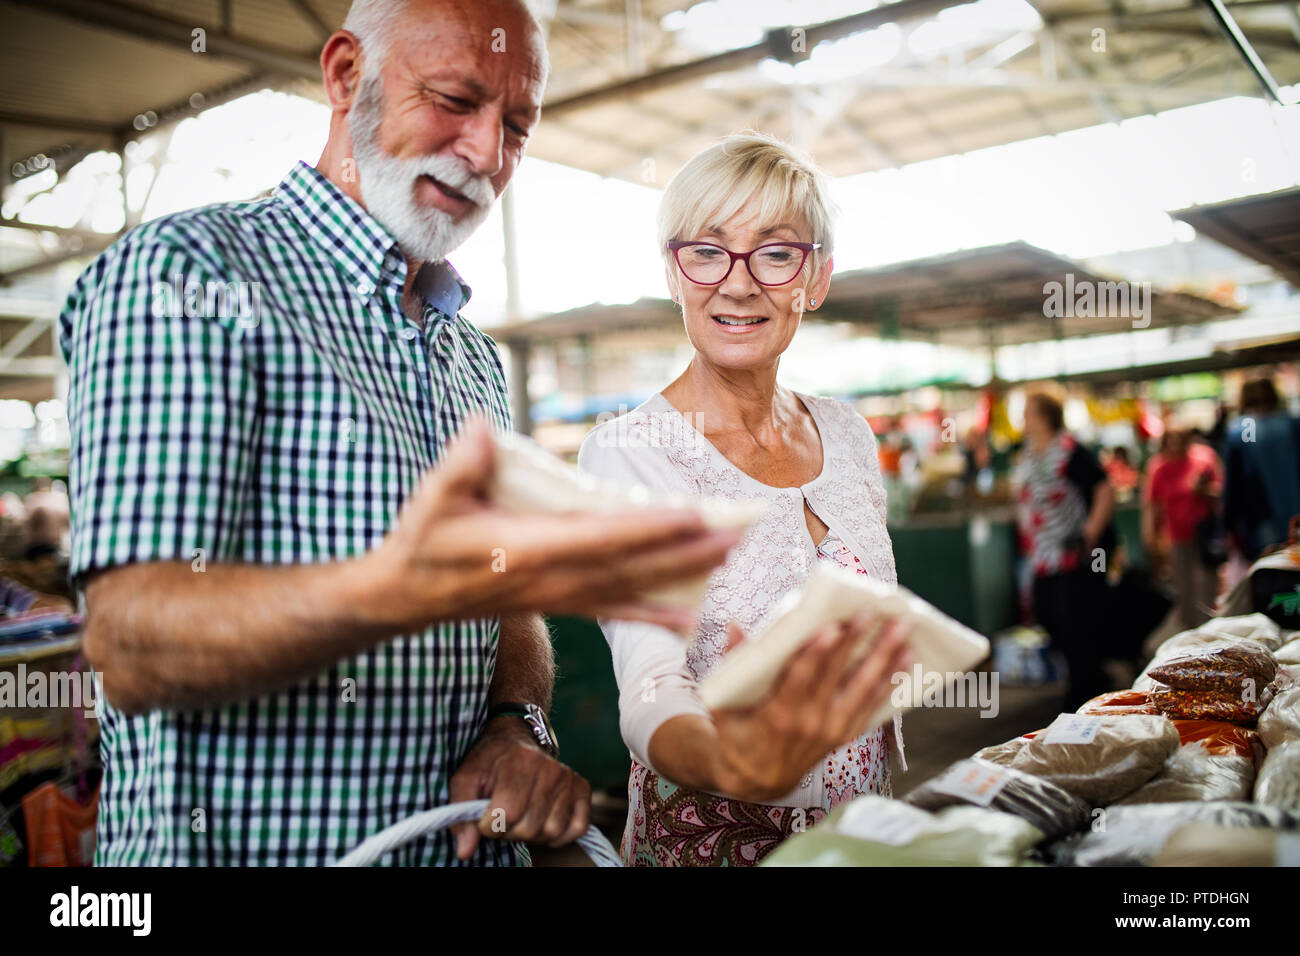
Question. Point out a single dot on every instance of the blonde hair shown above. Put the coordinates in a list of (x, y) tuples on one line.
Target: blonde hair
[(718, 182)]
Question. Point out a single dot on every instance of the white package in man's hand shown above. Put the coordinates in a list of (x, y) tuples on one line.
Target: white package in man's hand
[(939, 645), (529, 478)]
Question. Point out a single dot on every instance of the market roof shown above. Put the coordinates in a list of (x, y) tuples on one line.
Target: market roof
[(626, 89), (995, 295), (1265, 227)]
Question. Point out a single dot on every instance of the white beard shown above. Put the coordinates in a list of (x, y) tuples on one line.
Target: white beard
[(388, 186)]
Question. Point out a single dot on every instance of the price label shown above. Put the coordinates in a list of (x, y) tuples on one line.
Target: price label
[(1073, 729), (973, 781)]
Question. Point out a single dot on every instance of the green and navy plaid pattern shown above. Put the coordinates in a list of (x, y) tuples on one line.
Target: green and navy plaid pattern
[(282, 424)]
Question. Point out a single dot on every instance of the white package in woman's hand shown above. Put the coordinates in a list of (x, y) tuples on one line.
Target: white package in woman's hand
[(529, 478), (939, 644)]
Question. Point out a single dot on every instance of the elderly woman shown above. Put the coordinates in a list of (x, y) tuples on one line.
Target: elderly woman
[(745, 230)]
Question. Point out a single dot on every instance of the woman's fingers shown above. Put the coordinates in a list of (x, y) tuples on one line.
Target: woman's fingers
[(734, 636), (871, 683), (807, 670)]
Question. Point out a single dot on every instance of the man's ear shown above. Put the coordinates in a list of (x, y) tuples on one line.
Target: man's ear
[(340, 64)]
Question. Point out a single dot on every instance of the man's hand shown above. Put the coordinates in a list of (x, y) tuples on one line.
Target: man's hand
[(534, 797), (454, 555)]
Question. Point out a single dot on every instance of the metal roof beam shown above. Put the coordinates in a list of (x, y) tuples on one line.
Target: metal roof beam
[(69, 123), (748, 56), (142, 24), (1232, 33)]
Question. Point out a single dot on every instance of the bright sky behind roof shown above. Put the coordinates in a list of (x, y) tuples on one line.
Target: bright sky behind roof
[(586, 239)]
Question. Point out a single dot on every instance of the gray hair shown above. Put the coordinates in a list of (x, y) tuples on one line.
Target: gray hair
[(374, 23)]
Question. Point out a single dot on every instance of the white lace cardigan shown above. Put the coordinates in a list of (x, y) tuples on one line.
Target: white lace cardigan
[(656, 446)]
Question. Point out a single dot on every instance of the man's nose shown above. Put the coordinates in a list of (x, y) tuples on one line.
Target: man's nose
[(480, 142)]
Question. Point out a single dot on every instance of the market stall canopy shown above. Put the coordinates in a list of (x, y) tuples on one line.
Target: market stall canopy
[(1264, 227), (639, 85), (996, 295)]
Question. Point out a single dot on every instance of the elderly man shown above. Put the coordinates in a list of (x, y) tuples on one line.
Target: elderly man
[(291, 663)]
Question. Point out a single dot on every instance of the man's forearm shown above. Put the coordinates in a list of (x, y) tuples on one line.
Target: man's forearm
[(165, 635), (525, 668)]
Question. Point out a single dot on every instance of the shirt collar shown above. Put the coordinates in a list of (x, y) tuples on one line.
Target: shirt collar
[(362, 249), (442, 288)]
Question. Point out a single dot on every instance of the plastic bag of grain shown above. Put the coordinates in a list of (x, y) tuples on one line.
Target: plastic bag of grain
[(1119, 702), (976, 782), (1002, 754), (1193, 773), (1278, 783), (1099, 759), (1280, 721), (1239, 707), (1193, 640), (1216, 761), (1131, 835), (1224, 666), (877, 831)]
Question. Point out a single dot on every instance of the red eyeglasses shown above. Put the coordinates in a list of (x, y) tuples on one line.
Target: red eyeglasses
[(770, 265)]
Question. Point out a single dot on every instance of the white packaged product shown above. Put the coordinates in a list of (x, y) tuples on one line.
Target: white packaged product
[(939, 645), (1256, 627), (877, 831), (1280, 721), (1289, 653), (1131, 835), (529, 478), (1278, 783)]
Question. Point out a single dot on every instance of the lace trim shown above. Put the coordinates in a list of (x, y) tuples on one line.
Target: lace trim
[(776, 555)]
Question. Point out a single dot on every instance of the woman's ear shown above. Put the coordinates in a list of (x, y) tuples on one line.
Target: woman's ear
[(821, 284), (674, 291)]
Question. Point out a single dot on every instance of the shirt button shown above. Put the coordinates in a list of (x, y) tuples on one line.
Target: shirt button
[(364, 288), (407, 333)]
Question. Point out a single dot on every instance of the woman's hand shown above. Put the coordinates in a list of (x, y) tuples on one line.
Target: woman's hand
[(823, 699)]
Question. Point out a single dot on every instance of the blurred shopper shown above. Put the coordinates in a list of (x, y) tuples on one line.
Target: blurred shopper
[(301, 625), (1262, 471), (1179, 517), (46, 521), (745, 230), (1064, 512), (1121, 474)]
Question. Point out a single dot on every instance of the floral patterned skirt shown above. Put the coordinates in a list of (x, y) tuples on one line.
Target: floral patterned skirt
[(668, 825)]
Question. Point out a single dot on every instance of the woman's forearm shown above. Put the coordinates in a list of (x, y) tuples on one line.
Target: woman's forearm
[(685, 750)]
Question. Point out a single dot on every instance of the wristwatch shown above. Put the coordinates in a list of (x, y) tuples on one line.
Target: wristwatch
[(535, 718)]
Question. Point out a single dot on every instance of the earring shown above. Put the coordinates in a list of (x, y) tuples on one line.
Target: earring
[(812, 303)]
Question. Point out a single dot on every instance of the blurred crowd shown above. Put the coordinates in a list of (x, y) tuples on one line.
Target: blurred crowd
[(34, 549)]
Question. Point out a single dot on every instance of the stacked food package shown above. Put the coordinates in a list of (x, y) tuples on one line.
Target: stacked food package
[(1204, 746)]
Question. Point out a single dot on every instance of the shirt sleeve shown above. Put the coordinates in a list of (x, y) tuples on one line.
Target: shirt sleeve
[(654, 683), (161, 406), (1085, 471)]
